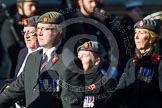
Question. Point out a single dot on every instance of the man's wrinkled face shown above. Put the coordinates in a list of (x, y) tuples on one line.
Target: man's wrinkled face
[(30, 37), (47, 34)]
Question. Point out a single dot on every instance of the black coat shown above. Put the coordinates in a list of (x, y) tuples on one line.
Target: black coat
[(140, 88), (11, 44), (103, 88)]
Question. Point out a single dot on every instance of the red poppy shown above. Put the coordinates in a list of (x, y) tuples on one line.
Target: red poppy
[(137, 56), (92, 86), (55, 58), (24, 21), (155, 58)]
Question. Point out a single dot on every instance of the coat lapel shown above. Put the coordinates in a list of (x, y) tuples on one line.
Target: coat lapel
[(52, 61), (35, 75)]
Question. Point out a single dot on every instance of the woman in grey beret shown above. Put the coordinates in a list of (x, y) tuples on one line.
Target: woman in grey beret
[(141, 82)]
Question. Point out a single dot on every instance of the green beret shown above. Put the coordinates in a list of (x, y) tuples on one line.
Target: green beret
[(149, 24), (92, 46), (27, 0), (30, 22), (51, 18)]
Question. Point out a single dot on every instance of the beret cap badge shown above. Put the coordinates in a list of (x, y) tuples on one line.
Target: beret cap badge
[(86, 46), (24, 21), (45, 19), (141, 24)]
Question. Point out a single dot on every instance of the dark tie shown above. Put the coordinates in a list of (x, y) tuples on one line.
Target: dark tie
[(43, 62)]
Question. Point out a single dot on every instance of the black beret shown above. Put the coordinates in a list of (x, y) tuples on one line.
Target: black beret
[(148, 24), (27, 0), (30, 22), (93, 46), (51, 18)]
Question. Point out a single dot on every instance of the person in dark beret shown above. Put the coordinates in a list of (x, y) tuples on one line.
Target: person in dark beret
[(47, 79), (141, 83), (11, 37), (98, 82), (31, 42)]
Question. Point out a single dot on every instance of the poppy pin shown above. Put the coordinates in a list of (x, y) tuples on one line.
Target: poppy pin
[(155, 58), (92, 86), (55, 58)]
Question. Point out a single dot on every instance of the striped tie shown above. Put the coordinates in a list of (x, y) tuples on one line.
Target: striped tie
[(43, 62)]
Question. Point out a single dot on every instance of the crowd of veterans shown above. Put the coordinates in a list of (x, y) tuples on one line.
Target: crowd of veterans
[(82, 59)]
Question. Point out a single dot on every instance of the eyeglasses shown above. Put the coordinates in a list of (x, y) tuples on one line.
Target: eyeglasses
[(46, 29), (29, 33)]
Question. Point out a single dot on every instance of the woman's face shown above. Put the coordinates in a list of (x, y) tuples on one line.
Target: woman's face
[(141, 39)]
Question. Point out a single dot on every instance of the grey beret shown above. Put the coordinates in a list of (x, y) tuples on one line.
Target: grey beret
[(30, 22), (93, 46), (149, 24)]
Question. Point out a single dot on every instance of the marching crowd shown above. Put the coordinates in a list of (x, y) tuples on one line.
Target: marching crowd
[(84, 59)]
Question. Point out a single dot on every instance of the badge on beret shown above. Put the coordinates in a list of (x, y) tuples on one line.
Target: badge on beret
[(45, 19), (24, 21), (86, 45), (141, 24)]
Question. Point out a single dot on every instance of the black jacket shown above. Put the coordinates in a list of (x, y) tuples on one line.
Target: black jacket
[(11, 44), (140, 84), (98, 88)]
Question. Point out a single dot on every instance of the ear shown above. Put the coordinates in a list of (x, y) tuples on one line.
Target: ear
[(97, 61), (19, 8), (58, 37), (150, 41), (80, 2)]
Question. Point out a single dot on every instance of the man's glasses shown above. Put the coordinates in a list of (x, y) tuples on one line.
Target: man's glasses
[(46, 29), (28, 33)]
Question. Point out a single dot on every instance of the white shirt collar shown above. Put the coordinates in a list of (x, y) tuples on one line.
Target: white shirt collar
[(53, 49)]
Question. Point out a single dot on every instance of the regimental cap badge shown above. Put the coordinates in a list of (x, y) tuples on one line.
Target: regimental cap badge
[(24, 21), (141, 24), (86, 46), (45, 19)]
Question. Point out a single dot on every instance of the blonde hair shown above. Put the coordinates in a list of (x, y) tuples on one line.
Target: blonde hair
[(19, 4), (153, 37)]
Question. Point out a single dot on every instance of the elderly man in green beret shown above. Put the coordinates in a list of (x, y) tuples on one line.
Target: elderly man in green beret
[(46, 81), (12, 39)]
